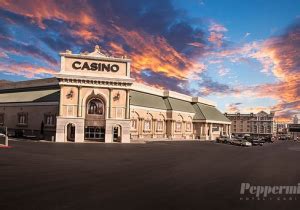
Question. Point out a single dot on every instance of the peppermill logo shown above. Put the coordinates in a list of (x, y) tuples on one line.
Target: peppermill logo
[(255, 192)]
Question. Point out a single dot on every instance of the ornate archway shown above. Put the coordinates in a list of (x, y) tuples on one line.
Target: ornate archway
[(71, 132), (95, 117), (117, 133)]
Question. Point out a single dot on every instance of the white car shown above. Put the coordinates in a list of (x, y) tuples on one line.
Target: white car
[(246, 143)]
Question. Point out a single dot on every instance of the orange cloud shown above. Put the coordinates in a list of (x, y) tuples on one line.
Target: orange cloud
[(217, 34), (149, 51), (216, 38), (27, 70), (40, 10)]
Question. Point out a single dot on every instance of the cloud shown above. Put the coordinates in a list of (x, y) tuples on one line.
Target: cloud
[(145, 32), (11, 46), (217, 27), (166, 46), (247, 34), (217, 34), (3, 55), (162, 81), (26, 69), (216, 38), (223, 71), (233, 107), (282, 55)]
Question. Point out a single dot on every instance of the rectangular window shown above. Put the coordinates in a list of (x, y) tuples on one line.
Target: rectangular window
[(22, 118), (1, 118), (160, 125), (215, 128), (94, 133), (133, 124), (49, 119), (147, 125), (188, 126), (178, 126)]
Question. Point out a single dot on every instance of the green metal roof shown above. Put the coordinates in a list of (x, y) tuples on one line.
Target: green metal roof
[(199, 115), (180, 105), (207, 112), (147, 100), (30, 96)]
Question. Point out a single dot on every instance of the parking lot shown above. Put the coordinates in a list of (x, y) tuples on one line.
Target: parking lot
[(160, 175)]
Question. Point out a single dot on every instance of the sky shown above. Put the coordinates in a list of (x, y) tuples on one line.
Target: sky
[(243, 55)]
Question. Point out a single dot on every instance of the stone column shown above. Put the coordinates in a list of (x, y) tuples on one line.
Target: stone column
[(183, 124), (79, 105), (154, 128), (108, 132), (172, 129), (127, 105), (201, 130), (109, 103), (164, 128), (210, 131), (61, 101), (205, 131), (140, 130)]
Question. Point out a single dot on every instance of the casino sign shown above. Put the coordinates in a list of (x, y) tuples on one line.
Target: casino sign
[(77, 65)]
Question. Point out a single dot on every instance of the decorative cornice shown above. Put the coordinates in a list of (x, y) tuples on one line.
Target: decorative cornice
[(92, 81)]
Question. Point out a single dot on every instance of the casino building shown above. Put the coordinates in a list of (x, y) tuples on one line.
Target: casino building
[(93, 98)]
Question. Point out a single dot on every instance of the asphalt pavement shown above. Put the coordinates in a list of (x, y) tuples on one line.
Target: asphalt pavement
[(160, 175)]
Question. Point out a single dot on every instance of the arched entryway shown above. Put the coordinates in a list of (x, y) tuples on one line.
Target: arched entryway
[(71, 132), (117, 133), (95, 117)]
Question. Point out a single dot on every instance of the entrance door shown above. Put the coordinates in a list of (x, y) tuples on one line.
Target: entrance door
[(117, 134), (95, 133), (71, 132)]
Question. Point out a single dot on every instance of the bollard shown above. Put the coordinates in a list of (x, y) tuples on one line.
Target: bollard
[(6, 140)]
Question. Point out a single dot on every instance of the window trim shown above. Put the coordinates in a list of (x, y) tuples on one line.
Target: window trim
[(136, 124), (103, 107), (46, 115), (25, 114), (186, 127), (176, 128), (162, 127), (150, 124)]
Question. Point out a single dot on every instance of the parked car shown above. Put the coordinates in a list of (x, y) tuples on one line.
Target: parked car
[(246, 143), (222, 140), (256, 142), (269, 139), (235, 141)]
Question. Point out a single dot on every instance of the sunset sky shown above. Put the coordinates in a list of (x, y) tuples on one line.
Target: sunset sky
[(244, 55)]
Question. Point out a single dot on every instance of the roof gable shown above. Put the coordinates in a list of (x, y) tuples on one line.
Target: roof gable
[(210, 113)]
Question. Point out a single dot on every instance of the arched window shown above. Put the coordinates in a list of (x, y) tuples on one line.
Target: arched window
[(95, 106)]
